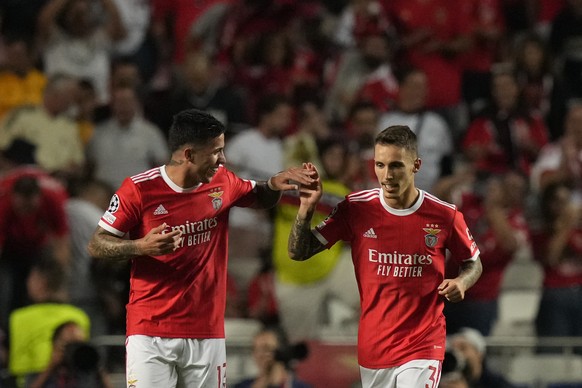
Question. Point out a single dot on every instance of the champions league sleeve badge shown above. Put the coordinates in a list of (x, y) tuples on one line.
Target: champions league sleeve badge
[(431, 238)]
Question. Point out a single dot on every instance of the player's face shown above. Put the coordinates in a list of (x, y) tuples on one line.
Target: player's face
[(207, 159), (395, 168)]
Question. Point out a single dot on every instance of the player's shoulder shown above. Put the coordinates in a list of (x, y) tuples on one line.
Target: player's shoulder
[(149, 175), (363, 196), (434, 201)]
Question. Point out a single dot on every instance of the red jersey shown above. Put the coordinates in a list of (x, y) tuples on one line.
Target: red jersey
[(24, 235), (483, 132), (181, 294), (399, 260), (568, 272)]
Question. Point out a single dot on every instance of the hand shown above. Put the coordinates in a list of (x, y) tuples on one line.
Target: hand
[(157, 242), (452, 289), (311, 193), (299, 176)]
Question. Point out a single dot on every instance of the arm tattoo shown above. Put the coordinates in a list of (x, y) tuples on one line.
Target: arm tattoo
[(266, 198), (470, 272), (302, 242), (104, 245)]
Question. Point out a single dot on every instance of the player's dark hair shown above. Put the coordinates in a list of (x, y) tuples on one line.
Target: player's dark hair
[(400, 136), (193, 126)]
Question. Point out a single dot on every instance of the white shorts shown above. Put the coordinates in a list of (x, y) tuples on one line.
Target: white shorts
[(154, 362), (413, 374)]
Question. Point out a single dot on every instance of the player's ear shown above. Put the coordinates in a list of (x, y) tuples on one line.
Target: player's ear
[(417, 164), (189, 154)]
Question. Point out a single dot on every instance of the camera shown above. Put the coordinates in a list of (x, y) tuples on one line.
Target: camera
[(293, 352), (454, 365), (81, 357)]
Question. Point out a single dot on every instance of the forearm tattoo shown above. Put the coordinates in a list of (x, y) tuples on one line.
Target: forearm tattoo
[(302, 243), (106, 246), (471, 271)]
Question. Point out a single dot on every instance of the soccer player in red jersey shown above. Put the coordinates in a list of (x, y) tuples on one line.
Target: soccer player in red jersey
[(399, 237), (172, 223)]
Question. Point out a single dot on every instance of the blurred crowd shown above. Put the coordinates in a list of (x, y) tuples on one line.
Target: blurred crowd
[(88, 89)]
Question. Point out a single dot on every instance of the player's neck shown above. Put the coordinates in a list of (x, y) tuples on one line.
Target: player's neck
[(405, 201), (179, 175)]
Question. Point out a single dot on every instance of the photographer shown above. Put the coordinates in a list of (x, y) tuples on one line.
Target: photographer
[(469, 349), (74, 362), (274, 357)]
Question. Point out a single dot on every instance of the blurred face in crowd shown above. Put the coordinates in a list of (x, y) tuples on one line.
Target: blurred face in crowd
[(25, 204), (197, 73), (78, 17), (469, 352), (60, 96), (375, 50), (125, 105), (412, 92), (364, 123), (334, 161), (533, 56), (125, 74), (279, 119), (275, 50), (264, 346), (18, 56), (505, 91)]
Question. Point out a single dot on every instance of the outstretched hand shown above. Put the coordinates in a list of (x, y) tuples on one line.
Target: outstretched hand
[(157, 242), (293, 178)]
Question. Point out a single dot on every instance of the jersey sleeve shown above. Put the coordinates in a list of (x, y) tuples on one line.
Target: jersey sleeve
[(242, 190), (461, 243), (335, 226), (124, 210)]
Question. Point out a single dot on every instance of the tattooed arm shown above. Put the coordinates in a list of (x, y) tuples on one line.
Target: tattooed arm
[(454, 289), (105, 245), (302, 242)]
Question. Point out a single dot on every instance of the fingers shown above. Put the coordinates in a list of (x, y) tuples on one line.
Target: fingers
[(450, 291)]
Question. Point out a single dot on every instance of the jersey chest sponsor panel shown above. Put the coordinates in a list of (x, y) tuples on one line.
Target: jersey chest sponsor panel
[(181, 294), (399, 257)]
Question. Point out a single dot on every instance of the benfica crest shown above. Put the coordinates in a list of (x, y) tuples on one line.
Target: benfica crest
[(216, 199), (431, 238)]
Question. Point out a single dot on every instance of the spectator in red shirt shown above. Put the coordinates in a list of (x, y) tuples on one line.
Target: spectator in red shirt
[(494, 211), (557, 247), (505, 135), (486, 33), (542, 89), (434, 34), (32, 220)]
